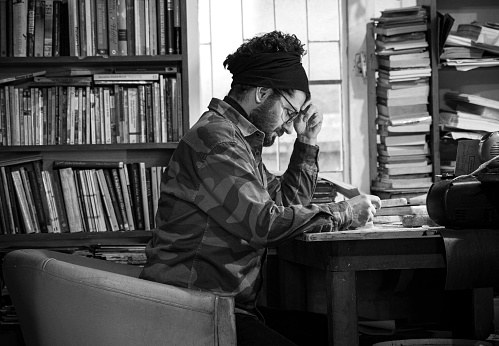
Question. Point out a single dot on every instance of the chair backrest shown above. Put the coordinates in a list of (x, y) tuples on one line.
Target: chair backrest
[(64, 299)]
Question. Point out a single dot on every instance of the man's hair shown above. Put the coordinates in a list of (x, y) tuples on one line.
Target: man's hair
[(275, 41)]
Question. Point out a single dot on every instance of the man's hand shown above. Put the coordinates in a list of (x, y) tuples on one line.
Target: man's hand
[(363, 208), (308, 124)]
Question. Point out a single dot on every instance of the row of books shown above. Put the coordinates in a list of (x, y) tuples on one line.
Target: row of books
[(108, 109), (48, 28), (78, 196), (402, 91)]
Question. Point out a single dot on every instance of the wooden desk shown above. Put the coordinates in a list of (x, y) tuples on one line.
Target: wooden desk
[(343, 254)]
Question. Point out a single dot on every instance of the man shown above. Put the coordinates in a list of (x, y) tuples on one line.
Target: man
[(220, 209)]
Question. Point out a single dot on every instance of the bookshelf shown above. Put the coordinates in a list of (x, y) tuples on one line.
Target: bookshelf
[(151, 153), (482, 81)]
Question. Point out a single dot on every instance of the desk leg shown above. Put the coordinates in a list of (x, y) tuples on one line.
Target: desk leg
[(342, 308)]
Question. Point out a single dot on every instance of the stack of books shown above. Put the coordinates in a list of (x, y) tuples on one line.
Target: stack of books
[(402, 90), (469, 115), (472, 45)]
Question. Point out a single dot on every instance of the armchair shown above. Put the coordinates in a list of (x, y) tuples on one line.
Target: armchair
[(64, 299)]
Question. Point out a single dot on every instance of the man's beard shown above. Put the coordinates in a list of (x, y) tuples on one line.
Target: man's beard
[(265, 119)]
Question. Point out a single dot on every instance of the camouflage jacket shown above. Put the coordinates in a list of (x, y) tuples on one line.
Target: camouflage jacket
[(220, 208)]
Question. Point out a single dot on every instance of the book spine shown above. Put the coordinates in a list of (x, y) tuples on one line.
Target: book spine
[(150, 209), (19, 28), (37, 170), (156, 110), (49, 22), (83, 206), (55, 184), (177, 43), (130, 27), (71, 200), (74, 28), (149, 130), (114, 199), (3, 28), (8, 200), (106, 197), (88, 26), (32, 208), (161, 27), (169, 31), (147, 43), (140, 29), (125, 113), (23, 202), (162, 104), (154, 194), (143, 191), (112, 11), (120, 198), (134, 176), (85, 164), (142, 113), (174, 108), (52, 210), (118, 114), (153, 28), (37, 199), (82, 24), (39, 27), (101, 27), (92, 118), (4, 224), (30, 38), (122, 28), (3, 115), (96, 200), (133, 113), (125, 188), (112, 114)]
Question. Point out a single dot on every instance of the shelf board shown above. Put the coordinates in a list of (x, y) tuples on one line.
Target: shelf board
[(88, 61), (73, 240), (88, 147)]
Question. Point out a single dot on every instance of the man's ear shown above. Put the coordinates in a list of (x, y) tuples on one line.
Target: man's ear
[(262, 93)]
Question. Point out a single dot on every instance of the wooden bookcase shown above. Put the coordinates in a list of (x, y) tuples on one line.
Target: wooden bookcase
[(481, 81), (152, 154)]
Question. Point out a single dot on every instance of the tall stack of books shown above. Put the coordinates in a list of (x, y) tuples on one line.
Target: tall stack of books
[(402, 90)]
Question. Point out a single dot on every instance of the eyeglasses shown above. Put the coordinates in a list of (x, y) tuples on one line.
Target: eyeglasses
[(293, 115)]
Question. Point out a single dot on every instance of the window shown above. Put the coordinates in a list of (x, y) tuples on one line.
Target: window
[(225, 24)]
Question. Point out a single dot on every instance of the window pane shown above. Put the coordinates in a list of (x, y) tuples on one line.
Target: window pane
[(323, 23), (324, 61), (328, 100), (258, 17)]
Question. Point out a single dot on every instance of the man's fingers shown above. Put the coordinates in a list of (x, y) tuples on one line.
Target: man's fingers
[(376, 201)]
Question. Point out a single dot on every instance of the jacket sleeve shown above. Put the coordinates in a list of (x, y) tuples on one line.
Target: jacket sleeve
[(234, 193)]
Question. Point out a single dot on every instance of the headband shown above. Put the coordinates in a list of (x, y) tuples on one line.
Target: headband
[(279, 70)]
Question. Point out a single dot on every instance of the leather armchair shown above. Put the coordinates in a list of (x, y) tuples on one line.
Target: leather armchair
[(64, 299)]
